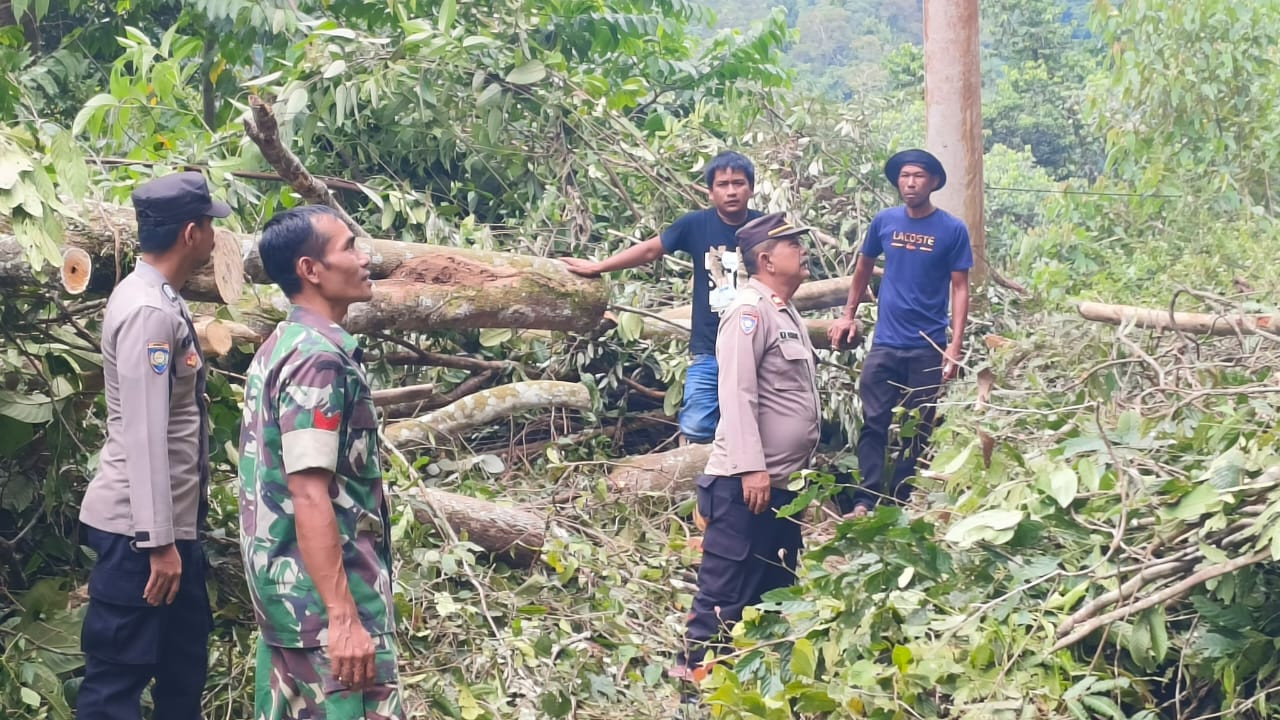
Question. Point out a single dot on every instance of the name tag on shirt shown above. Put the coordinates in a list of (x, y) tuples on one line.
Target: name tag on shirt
[(788, 335)]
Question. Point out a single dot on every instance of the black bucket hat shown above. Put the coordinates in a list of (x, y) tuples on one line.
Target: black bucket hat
[(915, 156)]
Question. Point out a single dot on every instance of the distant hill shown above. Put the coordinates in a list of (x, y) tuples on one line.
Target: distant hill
[(843, 44)]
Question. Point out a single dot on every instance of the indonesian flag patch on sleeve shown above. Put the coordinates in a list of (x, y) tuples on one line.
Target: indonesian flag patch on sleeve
[(320, 420)]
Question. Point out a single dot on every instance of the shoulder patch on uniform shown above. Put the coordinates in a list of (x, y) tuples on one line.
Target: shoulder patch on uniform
[(748, 322), (158, 355), (745, 296)]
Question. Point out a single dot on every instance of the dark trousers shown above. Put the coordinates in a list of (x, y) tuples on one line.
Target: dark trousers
[(127, 643), (744, 555), (892, 378)]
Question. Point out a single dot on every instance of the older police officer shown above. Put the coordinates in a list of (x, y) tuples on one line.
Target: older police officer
[(148, 614), (768, 430)]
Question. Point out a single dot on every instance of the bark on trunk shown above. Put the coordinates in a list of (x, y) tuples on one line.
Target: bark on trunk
[(657, 329), (454, 288), (815, 295), (515, 533), (434, 287), (670, 472), (487, 406), (1198, 323), (413, 393)]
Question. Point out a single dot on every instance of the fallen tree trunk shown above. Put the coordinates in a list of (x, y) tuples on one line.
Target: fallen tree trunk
[(422, 287), (98, 227), (670, 472), (1197, 323), (815, 295), (515, 533), (453, 288), (413, 393), (487, 406), (817, 328)]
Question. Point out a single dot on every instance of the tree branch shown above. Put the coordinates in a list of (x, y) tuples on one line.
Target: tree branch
[(265, 133)]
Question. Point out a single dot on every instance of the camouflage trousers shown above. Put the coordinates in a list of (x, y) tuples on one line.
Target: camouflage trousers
[(296, 684)]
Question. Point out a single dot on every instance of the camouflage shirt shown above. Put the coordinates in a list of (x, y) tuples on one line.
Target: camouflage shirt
[(307, 405)]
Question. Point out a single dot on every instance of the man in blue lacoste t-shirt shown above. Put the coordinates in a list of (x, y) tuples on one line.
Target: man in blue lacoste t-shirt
[(708, 237), (927, 257)]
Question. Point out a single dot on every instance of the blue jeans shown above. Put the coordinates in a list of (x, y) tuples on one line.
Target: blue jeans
[(701, 409)]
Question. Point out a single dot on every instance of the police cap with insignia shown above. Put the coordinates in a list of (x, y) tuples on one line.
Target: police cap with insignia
[(175, 199), (920, 158), (765, 228)]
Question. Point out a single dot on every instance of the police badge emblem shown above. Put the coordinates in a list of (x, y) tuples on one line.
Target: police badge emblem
[(158, 356), (748, 323)]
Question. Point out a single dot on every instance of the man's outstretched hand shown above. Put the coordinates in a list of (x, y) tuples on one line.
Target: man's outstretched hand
[(585, 268)]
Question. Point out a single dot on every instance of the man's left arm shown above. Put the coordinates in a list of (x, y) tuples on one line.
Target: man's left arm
[(959, 319), (961, 261)]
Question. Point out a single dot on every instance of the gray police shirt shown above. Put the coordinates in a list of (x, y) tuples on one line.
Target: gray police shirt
[(148, 482)]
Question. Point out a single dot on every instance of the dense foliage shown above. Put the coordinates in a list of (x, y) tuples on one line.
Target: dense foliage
[(1131, 159)]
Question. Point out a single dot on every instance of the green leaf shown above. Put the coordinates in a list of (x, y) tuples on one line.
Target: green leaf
[(1155, 619), (1203, 499), (19, 8), (490, 95), (902, 657), (803, 660), (448, 12), (528, 73), (14, 434), (29, 696), (33, 409), (263, 80), (630, 326), (493, 337), (69, 164), (337, 67), (1103, 706), (989, 525), (1063, 485)]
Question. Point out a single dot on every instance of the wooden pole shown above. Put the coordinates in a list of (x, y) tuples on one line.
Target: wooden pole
[(953, 114)]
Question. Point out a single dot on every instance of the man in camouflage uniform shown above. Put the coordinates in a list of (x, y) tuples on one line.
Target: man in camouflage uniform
[(314, 525)]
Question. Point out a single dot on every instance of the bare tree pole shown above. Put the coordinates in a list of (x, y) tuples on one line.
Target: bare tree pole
[(953, 113), (264, 131)]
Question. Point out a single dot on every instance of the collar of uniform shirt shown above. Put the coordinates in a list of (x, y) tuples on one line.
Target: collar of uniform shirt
[(333, 332)]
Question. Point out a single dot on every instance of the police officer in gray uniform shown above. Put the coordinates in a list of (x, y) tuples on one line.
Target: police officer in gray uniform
[(768, 430), (148, 615)]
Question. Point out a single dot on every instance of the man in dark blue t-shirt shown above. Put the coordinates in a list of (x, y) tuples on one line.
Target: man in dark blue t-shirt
[(927, 257), (708, 236)]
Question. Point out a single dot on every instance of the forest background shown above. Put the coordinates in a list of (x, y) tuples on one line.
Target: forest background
[(1097, 532)]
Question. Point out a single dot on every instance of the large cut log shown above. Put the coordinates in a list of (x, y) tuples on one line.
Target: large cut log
[(1197, 323), (815, 295), (487, 406), (667, 472), (409, 394), (454, 288), (427, 287), (16, 272), (659, 329), (514, 532)]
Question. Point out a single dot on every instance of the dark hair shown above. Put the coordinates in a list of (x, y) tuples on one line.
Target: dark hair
[(285, 238), (751, 258), (729, 160), (161, 238)]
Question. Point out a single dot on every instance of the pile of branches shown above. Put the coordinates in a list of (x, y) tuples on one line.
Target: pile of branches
[(1095, 538)]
